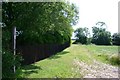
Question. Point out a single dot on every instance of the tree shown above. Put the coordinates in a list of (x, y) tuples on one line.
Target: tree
[(82, 34), (116, 39), (38, 19), (101, 36), (37, 23)]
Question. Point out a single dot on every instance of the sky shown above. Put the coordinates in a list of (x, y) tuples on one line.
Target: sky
[(92, 11)]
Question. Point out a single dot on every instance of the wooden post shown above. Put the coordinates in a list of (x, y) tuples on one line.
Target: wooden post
[(14, 46)]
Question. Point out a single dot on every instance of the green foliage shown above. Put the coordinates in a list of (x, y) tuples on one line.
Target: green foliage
[(116, 39), (6, 39), (82, 34), (8, 61), (101, 36), (36, 20)]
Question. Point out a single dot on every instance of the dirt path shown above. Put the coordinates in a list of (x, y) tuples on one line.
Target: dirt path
[(96, 70)]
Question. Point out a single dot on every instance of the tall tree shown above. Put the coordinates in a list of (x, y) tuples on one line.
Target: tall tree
[(101, 36), (35, 20)]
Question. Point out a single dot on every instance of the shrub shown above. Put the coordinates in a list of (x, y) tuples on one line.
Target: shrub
[(116, 39), (115, 59), (8, 62)]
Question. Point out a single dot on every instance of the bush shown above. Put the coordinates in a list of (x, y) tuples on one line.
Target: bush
[(115, 59), (8, 62), (116, 39)]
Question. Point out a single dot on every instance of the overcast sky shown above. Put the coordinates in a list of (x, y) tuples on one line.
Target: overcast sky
[(92, 11)]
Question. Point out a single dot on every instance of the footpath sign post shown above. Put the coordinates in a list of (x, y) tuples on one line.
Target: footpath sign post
[(14, 46)]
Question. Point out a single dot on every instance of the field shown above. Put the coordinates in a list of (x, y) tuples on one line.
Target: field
[(63, 64)]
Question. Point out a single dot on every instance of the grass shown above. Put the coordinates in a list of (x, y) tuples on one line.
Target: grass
[(61, 65), (105, 54)]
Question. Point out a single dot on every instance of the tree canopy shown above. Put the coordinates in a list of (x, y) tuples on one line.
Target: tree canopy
[(101, 36), (42, 22)]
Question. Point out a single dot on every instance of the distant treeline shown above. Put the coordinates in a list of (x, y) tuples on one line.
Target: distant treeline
[(100, 36)]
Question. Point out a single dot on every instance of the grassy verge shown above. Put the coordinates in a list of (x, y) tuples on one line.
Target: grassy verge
[(61, 65), (105, 54)]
